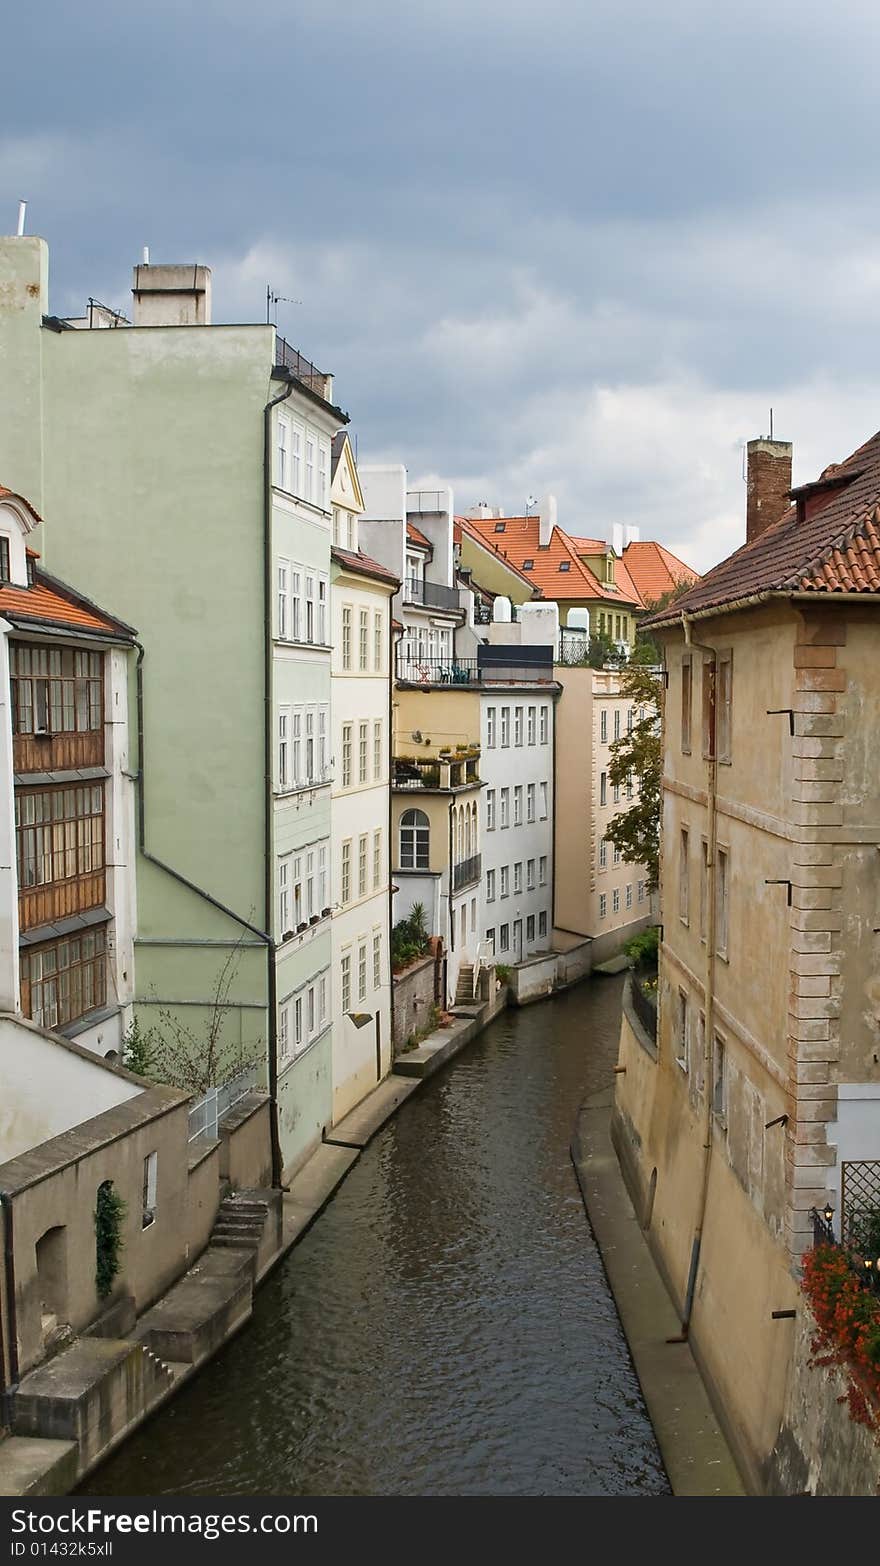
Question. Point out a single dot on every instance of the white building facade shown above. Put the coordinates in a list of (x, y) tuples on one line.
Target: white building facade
[(518, 723)]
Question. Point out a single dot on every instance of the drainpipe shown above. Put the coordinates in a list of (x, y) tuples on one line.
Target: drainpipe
[(709, 1028), (11, 1310), (269, 792)]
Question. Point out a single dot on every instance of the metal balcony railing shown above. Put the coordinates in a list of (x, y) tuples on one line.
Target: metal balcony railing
[(466, 871), (437, 671), (300, 366), (431, 595)]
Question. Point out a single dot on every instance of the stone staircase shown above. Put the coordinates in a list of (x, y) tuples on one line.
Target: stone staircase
[(464, 989), (244, 1222)]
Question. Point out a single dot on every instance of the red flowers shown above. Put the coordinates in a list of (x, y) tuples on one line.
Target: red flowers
[(848, 1329)]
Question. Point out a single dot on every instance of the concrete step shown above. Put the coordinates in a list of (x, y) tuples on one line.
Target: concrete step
[(235, 1242)]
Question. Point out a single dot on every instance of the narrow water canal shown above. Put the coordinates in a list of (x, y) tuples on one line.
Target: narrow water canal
[(445, 1327)]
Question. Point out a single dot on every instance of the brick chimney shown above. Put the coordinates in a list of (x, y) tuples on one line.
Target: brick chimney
[(768, 481)]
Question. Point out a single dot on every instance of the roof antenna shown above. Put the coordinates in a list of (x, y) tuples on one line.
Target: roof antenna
[(146, 255), (771, 423), (22, 209)]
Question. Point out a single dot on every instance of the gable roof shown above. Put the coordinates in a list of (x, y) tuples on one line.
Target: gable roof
[(832, 548), (52, 602), (416, 536), (464, 525), (558, 570), (364, 565), (655, 570), (341, 449)]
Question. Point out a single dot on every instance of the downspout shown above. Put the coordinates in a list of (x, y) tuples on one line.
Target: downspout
[(11, 1310), (269, 792), (191, 886), (709, 998)]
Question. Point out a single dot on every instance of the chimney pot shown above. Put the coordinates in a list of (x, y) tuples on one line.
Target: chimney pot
[(768, 481)]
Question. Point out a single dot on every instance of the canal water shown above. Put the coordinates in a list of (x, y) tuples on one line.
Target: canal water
[(445, 1327)]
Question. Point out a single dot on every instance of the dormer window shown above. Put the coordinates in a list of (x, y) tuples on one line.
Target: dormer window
[(500, 527), (528, 565), (4, 559), (31, 571), (565, 565), (609, 568)]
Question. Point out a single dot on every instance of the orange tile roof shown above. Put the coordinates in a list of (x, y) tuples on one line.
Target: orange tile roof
[(465, 525), (56, 604), (655, 570), (519, 541), (353, 560), (416, 536)]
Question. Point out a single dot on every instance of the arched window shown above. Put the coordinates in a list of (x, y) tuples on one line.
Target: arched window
[(415, 840)]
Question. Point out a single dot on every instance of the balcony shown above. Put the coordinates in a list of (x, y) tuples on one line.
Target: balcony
[(290, 358), (414, 670), (468, 871), (431, 595), (437, 774)]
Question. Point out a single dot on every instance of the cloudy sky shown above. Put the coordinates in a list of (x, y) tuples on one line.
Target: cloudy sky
[(580, 246)]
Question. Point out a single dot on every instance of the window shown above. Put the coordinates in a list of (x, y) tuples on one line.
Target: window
[(565, 565), (684, 885), (542, 870), (543, 801), (490, 886), (346, 755), (505, 726), (505, 807), (505, 880), (346, 636), (310, 469), (681, 1031), (322, 878), (708, 708), (517, 725), (151, 1170), (629, 785), (530, 802), (296, 459), (415, 838), (603, 726), (298, 910), (377, 752), (630, 717), (617, 723), (723, 699), (296, 611), (528, 565), (378, 658), (490, 937), (345, 893), (284, 894), (345, 967), (322, 476), (298, 1033), (530, 874), (517, 805), (322, 999), (284, 1031), (363, 732), (530, 725), (615, 900), (56, 690), (603, 906), (722, 899), (504, 942), (59, 836), (362, 865), (283, 727), (629, 895), (517, 877), (603, 853), (310, 609), (603, 788), (490, 810), (617, 854), (686, 694), (322, 610), (283, 588), (719, 1079), (641, 891), (362, 971), (530, 928), (281, 466), (542, 923), (322, 743), (377, 860), (63, 980), (616, 794), (377, 961), (490, 728), (500, 527), (363, 640), (310, 745)]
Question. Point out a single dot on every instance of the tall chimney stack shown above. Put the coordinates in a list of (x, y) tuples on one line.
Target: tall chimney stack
[(546, 520), (768, 481), (172, 295)]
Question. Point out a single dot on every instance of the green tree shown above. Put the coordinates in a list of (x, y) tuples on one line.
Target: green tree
[(637, 756), (646, 649)]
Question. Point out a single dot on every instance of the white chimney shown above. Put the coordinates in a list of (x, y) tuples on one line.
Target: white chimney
[(632, 535), (172, 295), (546, 520), (617, 537), (501, 612)]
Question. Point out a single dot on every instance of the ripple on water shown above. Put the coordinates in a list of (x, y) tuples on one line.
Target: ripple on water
[(445, 1328)]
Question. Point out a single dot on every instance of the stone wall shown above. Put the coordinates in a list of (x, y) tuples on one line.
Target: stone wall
[(819, 1449), (413, 999)]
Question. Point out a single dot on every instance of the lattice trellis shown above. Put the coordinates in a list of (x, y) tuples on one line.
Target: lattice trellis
[(860, 1205)]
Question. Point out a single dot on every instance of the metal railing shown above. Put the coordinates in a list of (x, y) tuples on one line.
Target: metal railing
[(485, 954), (432, 595), (207, 1111), (644, 1007), (437, 671), (574, 650), (466, 871), (300, 366)]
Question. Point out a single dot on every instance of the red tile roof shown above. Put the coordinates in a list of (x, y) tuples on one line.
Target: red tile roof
[(655, 570), (56, 604), (364, 565), (834, 548), (519, 541), (416, 536), (466, 525), (13, 495)]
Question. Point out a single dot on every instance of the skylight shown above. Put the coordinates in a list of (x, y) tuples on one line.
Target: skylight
[(565, 565), (500, 527), (528, 565)]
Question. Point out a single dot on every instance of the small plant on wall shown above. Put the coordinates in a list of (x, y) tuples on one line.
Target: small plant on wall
[(847, 1336), (109, 1217)]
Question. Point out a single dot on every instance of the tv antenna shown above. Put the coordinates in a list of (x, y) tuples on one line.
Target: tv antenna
[(273, 299)]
